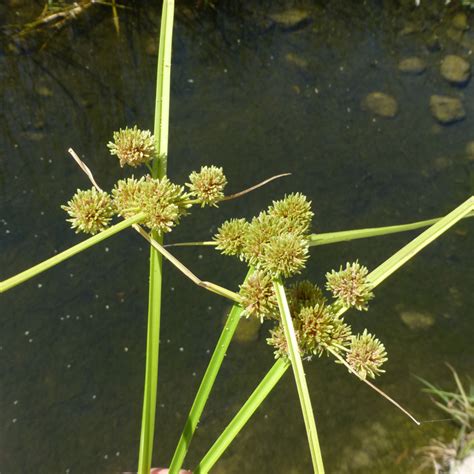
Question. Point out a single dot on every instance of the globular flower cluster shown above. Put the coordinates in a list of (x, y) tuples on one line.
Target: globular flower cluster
[(258, 296), (90, 211), (320, 328), (350, 286), (366, 355), (163, 202), (207, 185), (132, 146), (275, 241)]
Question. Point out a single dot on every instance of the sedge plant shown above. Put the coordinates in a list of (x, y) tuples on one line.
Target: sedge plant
[(275, 245)]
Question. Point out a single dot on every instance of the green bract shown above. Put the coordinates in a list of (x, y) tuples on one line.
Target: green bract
[(208, 185), (91, 211), (133, 146)]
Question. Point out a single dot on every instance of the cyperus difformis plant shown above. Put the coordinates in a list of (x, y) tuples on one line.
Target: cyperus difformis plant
[(162, 202)]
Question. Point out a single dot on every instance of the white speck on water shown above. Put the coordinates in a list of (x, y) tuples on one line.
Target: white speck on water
[(77, 318), (15, 402), (125, 349), (27, 333), (106, 456), (209, 308), (30, 340), (200, 256), (68, 366), (71, 275), (68, 316), (162, 405), (194, 374), (96, 296), (349, 110), (94, 397), (7, 231), (61, 318), (208, 351), (106, 249), (42, 213), (50, 160), (172, 288), (91, 316), (68, 471), (265, 416), (117, 453), (14, 420), (181, 349), (191, 81), (316, 90), (168, 341), (107, 306), (225, 70)]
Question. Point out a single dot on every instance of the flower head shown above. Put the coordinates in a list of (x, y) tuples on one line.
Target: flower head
[(277, 339), (90, 211), (162, 201), (230, 235), (208, 185), (258, 296), (295, 209), (320, 328), (258, 233), (284, 255), (366, 355), (302, 294), (350, 286), (133, 146)]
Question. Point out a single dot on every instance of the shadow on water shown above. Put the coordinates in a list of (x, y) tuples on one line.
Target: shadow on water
[(259, 97)]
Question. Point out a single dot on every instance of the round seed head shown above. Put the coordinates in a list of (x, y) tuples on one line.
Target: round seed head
[(277, 339), (230, 236), (208, 185), (284, 255), (258, 296), (259, 232), (350, 286), (304, 293), (321, 329), (126, 196), (295, 209), (162, 201), (90, 211), (366, 355), (133, 146)]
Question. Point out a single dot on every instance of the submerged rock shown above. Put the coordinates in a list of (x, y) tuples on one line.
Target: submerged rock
[(248, 330), (380, 104), (447, 109), (296, 60), (455, 69), (292, 18), (460, 21), (416, 320), (470, 149), (412, 65)]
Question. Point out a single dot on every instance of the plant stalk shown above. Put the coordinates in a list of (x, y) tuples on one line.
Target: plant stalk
[(161, 126), (205, 387), (300, 378), (70, 252)]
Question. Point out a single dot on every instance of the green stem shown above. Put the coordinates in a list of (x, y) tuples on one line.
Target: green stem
[(238, 422), (161, 127), (300, 378), (346, 235), (206, 387), (70, 252)]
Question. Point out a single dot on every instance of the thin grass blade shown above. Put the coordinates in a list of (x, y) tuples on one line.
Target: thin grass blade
[(300, 378)]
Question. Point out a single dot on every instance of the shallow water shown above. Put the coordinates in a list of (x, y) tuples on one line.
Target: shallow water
[(258, 100)]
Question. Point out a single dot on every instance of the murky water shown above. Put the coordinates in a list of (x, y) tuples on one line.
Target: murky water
[(257, 99)]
